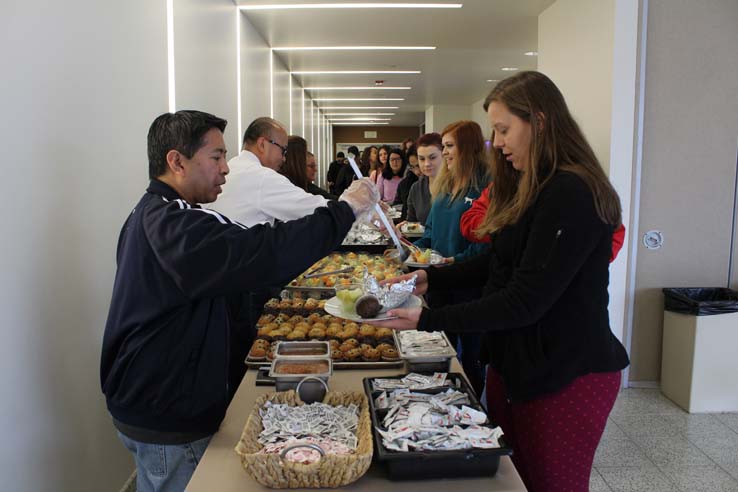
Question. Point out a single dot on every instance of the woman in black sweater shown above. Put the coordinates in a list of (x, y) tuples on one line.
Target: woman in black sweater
[(554, 363)]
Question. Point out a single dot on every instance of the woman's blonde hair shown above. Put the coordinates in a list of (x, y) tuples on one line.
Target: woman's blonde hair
[(556, 144), (471, 169)]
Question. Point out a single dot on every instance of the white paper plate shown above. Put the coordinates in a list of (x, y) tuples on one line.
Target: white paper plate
[(435, 259), (333, 307)]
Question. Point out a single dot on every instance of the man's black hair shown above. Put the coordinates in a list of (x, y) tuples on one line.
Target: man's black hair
[(183, 131)]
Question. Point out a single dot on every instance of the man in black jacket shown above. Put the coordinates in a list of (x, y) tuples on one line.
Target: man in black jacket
[(165, 350)]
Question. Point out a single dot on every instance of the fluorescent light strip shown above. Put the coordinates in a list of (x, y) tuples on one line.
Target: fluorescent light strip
[(354, 72), (351, 48), (305, 6), (271, 83), (358, 99), (357, 123), (360, 119), (238, 77), (359, 114), (170, 55), (370, 88), (359, 107), (290, 89)]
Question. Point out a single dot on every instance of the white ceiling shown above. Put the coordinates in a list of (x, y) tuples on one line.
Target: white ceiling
[(473, 44)]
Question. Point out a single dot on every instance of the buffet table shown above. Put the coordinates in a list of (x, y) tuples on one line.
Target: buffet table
[(220, 468)]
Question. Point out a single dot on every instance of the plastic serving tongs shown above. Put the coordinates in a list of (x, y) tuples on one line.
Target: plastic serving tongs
[(402, 252)]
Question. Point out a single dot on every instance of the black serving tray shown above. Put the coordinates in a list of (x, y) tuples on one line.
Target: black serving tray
[(423, 465)]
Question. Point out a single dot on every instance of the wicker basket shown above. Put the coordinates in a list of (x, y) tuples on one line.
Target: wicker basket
[(330, 471)]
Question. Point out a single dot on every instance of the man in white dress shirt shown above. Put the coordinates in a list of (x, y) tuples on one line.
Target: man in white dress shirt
[(255, 192)]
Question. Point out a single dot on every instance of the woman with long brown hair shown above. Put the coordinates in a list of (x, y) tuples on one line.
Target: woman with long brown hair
[(295, 164), (463, 175), (554, 363)]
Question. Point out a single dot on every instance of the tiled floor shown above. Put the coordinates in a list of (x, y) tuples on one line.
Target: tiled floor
[(652, 445)]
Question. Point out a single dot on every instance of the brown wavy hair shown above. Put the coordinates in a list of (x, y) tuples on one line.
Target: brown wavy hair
[(557, 145), (295, 164), (472, 169)]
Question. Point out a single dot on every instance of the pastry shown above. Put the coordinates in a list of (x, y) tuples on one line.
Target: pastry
[(370, 355)]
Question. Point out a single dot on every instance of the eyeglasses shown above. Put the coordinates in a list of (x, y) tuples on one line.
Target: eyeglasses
[(284, 149)]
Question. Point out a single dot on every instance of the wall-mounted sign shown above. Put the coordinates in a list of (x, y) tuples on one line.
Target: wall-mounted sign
[(370, 134)]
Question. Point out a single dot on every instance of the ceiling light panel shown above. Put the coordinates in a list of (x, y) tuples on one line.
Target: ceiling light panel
[(351, 48), (353, 72), (359, 99), (353, 5), (359, 107), (357, 88)]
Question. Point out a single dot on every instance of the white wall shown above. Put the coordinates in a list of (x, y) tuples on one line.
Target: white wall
[(83, 80), (205, 61), (443, 114), (477, 113), (281, 83), (575, 49), (255, 53)]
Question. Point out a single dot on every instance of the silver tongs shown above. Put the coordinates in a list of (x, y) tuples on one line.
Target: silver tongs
[(402, 252), (318, 273)]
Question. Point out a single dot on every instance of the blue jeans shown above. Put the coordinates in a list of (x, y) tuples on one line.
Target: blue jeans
[(164, 467)]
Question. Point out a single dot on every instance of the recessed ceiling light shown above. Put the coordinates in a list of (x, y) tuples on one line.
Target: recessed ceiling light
[(359, 99), (370, 88), (509, 69), (351, 48), (358, 114), (352, 6), (359, 119), (531, 53), (365, 123), (353, 72), (358, 107)]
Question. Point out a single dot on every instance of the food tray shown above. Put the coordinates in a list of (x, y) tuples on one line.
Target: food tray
[(255, 364), (451, 352), (424, 465)]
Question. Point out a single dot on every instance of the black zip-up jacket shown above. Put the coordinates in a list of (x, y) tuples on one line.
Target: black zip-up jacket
[(544, 303), (165, 350)]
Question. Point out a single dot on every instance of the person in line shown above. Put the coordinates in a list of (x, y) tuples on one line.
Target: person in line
[(347, 175), (381, 164), (406, 145), (312, 172), (256, 192), (411, 177), (295, 163), (165, 349), (430, 161), (390, 178), (459, 182), (555, 365), (333, 169), (473, 218)]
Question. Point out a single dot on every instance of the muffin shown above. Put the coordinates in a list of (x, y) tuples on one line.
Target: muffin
[(370, 355), (367, 330), (257, 353), (390, 355), (352, 355), (316, 333), (383, 334)]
